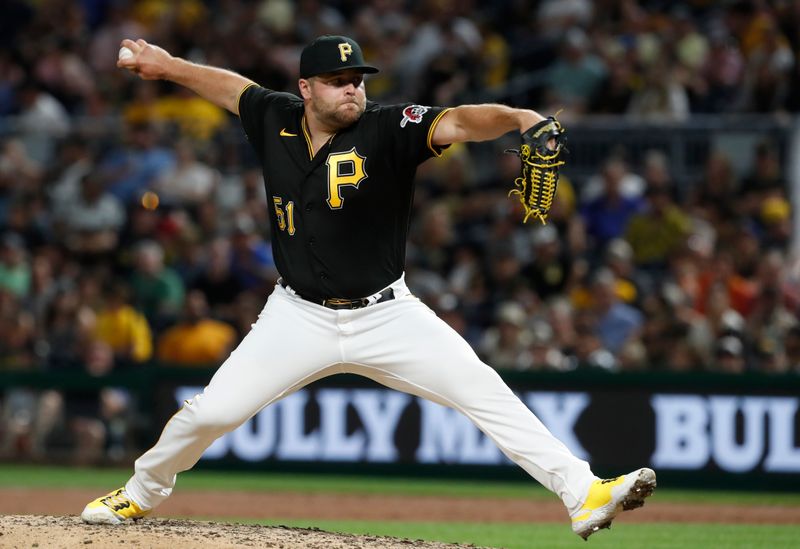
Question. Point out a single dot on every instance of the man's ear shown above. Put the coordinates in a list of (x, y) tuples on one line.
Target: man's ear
[(305, 88)]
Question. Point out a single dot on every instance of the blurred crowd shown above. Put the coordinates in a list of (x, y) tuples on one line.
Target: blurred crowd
[(134, 223)]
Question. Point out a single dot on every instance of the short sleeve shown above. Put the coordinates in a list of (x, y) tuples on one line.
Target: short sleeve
[(254, 104), (412, 127)]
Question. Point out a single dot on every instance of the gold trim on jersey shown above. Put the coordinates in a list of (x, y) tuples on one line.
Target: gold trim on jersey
[(432, 129), (307, 135), (239, 97), (309, 142)]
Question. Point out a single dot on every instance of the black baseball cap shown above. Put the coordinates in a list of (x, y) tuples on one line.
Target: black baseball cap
[(330, 54)]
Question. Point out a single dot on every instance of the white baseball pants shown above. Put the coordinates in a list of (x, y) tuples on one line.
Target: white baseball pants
[(399, 343)]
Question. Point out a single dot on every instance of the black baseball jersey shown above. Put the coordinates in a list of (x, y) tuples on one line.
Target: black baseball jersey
[(340, 218)]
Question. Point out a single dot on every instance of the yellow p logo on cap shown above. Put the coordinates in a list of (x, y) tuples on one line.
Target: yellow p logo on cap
[(345, 50)]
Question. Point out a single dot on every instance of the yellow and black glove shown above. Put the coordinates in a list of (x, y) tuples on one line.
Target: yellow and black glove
[(540, 152)]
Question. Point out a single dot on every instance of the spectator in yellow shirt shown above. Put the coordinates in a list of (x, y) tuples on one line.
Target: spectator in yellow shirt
[(196, 340), (124, 328), (658, 232)]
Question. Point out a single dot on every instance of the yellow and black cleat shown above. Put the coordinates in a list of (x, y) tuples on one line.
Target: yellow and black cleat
[(113, 508), (609, 497)]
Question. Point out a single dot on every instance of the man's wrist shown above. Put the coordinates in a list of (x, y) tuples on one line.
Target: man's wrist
[(528, 118), (177, 70)]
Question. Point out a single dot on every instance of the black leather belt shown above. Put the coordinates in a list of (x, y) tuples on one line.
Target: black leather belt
[(336, 303)]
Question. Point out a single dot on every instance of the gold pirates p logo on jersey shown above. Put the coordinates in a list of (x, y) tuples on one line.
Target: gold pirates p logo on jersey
[(344, 169), (345, 51)]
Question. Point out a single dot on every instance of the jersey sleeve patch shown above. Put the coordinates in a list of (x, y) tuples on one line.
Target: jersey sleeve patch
[(414, 114)]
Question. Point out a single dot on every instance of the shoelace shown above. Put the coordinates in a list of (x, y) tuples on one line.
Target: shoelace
[(541, 191), (116, 501)]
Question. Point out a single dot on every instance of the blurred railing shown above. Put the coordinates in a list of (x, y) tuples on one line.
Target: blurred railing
[(686, 144), (592, 139)]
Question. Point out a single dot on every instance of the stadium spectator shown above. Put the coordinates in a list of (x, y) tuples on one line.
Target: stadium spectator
[(89, 222), (657, 232), (619, 260), (713, 196), (720, 284), (189, 182), (122, 328), (136, 167), (662, 98), (552, 271), (721, 76), (616, 322), (765, 175), (45, 286), (196, 339), (217, 281), (15, 270), (607, 215), (42, 119), (587, 350), (768, 70), (729, 356), (17, 334), (767, 327), (507, 345), (158, 291), (194, 117), (576, 75), (775, 224), (615, 93), (251, 263)]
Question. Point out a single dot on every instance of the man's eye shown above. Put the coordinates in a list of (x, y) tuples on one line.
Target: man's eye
[(340, 82)]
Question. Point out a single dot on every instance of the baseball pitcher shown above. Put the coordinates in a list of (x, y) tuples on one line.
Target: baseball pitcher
[(339, 175)]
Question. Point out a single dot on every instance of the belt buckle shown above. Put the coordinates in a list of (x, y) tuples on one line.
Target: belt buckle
[(339, 303)]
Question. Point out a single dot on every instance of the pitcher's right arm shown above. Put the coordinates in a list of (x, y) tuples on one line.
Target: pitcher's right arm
[(220, 86)]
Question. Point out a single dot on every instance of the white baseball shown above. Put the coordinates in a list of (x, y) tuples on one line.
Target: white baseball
[(124, 53)]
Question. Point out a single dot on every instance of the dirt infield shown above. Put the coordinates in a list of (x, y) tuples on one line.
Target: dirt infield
[(42, 516), (70, 533)]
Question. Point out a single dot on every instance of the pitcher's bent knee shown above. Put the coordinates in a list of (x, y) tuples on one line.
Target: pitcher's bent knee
[(213, 419)]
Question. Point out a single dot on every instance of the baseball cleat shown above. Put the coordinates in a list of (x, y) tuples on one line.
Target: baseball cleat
[(609, 497), (114, 508)]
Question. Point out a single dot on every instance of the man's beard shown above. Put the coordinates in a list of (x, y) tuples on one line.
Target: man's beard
[(336, 118)]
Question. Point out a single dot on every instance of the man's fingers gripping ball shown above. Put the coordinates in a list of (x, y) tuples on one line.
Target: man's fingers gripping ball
[(126, 59), (540, 152), (124, 53)]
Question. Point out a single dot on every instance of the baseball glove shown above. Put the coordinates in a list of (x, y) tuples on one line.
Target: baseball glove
[(537, 185)]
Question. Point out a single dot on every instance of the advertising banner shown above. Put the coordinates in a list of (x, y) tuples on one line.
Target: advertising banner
[(723, 433)]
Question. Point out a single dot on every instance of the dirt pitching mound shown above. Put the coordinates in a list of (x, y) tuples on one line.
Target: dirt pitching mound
[(18, 531)]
